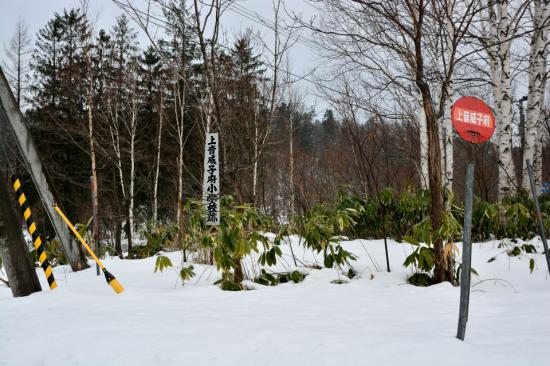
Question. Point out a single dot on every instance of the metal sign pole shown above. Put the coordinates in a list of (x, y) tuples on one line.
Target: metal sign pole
[(539, 216), (474, 121), (466, 254)]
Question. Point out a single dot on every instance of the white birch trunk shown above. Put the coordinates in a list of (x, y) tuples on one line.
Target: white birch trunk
[(180, 117), (541, 125), (447, 127), (507, 175), (423, 130), (180, 179), (133, 130), (157, 167), (256, 157), (447, 134), (291, 163), (541, 140), (291, 153), (91, 131), (114, 130), (535, 99), (537, 163), (499, 56)]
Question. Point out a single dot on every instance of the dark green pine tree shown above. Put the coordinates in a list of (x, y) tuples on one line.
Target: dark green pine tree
[(123, 94), (183, 85), (101, 65), (150, 69), (247, 124), (247, 68), (124, 46), (305, 129), (329, 128), (58, 114), (45, 63)]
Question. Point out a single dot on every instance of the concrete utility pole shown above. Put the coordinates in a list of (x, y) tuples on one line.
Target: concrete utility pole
[(13, 249), (11, 116)]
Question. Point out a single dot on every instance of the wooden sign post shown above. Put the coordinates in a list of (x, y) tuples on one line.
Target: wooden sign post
[(474, 121), (211, 183)]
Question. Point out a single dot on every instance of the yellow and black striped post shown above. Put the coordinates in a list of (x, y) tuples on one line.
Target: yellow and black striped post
[(38, 245)]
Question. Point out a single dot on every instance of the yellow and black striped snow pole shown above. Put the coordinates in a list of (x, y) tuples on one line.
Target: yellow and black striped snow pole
[(38, 245), (111, 280)]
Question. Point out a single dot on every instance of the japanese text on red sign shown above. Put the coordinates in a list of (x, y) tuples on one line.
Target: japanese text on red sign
[(472, 117)]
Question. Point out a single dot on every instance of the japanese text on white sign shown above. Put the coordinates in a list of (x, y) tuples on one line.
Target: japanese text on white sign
[(211, 186)]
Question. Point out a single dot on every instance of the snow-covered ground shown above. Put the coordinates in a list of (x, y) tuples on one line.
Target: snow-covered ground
[(376, 319)]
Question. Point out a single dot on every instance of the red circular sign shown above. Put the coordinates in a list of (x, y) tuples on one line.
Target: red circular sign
[(473, 119)]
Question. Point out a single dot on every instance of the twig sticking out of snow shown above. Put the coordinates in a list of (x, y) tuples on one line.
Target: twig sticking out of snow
[(5, 282), (497, 281), (373, 261)]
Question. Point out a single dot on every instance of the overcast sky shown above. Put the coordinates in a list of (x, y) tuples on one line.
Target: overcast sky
[(303, 58)]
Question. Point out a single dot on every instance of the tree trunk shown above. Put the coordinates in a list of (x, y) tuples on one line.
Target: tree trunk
[(157, 167), (179, 109), (436, 207), (447, 160), (507, 176), (118, 235), (128, 230), (256, 157), (423, 131), (535, 97), (133, 131), (180, 181), (291, 164), (91, 138), (499, 62), (537, 163), (447, 126), (239, 275), (13, 249), (18, 88), (441, 272)]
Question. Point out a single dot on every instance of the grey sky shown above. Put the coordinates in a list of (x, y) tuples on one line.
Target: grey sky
[(303, 59)]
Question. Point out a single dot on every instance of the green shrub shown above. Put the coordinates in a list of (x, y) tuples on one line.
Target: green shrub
[(158, 238), (389, 215), (241, 228), (185, 273), (273, 279), (422, 259), (322, 227)]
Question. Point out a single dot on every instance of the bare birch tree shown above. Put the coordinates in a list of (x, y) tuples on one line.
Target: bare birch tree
[(207, 27), (362, 31)]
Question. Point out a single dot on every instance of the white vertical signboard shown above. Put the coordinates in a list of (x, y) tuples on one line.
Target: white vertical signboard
[(211, 185)]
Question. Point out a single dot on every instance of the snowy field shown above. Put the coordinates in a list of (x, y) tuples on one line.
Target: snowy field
[(376, 319)]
